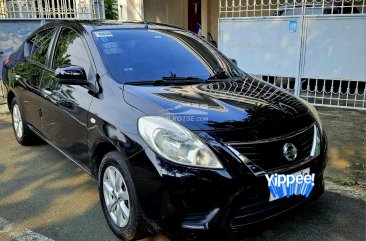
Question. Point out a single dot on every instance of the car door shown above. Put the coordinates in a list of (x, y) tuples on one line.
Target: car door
[(29, 71), (65, 107)]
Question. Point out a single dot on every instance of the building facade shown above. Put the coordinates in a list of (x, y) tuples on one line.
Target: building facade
[(196, 15)]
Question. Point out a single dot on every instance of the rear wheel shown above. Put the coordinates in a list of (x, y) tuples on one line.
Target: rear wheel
[(119, 199), (21, 130)]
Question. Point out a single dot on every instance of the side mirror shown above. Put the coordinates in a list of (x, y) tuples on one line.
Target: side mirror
[(71, 75), (234, 61)]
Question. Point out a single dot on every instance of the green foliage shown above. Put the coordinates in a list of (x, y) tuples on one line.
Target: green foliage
[(344, 181), (111, 9)]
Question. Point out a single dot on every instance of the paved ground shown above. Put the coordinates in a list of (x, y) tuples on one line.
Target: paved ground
[(43, 195)]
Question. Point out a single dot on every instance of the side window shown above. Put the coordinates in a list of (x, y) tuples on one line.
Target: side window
[(70, 50), (39, 45)]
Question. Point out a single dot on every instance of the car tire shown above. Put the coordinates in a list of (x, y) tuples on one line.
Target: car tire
[(116, 196), (23, 134)]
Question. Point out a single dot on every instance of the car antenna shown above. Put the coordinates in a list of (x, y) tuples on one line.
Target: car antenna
[(143, 19)]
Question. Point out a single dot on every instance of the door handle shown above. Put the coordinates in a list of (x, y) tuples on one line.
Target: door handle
[(47, 92)]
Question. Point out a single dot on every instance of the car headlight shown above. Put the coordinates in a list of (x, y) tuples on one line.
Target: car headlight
[(176, 143), (316, 148)]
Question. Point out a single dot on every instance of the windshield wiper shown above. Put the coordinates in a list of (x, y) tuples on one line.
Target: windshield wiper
[(171, 81), (178, 79)]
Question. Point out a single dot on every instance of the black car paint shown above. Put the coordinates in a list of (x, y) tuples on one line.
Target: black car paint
[(168, 191)]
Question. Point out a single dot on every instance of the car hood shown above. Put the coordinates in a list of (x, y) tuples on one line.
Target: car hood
[(223, 106)]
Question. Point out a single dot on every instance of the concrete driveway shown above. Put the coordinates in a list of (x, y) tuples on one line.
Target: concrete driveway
[(44, 196)]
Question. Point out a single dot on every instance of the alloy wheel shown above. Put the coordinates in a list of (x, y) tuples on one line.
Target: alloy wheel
[(116, 196), (17, 121)]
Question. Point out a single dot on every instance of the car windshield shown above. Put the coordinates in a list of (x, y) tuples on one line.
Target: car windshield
[(136, 55)]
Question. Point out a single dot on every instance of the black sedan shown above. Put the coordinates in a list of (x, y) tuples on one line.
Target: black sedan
[(177, 136)]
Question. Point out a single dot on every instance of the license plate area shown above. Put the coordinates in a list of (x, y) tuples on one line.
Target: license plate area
[(285, 190)]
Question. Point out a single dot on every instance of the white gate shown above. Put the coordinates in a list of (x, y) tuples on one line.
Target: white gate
[(314, 49)]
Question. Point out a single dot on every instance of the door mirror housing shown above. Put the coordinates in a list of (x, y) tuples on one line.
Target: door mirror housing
[(71, 75)]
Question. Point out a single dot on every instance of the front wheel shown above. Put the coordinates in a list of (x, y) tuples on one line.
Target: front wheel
[(119, 199)]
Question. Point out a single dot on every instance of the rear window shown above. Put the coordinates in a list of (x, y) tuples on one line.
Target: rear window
[(145, 55)]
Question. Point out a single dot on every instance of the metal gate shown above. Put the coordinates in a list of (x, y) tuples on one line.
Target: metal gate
[(74, 9), (315, 49)]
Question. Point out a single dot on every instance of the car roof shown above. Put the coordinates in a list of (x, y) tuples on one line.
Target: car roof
[(91, 25)]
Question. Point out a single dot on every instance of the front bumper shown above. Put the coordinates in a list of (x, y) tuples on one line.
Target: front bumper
[(193, 201)]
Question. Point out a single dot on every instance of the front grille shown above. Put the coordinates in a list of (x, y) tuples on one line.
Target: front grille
[(268, 154)]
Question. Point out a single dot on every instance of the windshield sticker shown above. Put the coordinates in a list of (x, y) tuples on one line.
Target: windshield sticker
[(104, 40), (102, 34), (111, 48)]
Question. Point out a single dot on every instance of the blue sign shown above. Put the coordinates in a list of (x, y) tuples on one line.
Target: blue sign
[(292, 25)]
